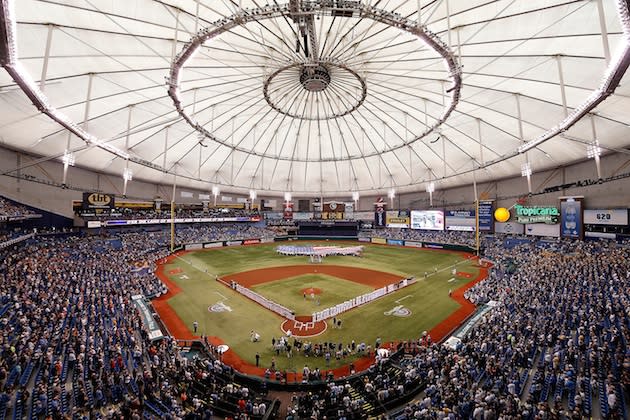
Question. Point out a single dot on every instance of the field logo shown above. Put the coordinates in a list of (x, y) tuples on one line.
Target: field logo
[(399, 310), (219, 307)]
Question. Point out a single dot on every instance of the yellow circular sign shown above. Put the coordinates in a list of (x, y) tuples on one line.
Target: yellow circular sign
[(502, 214)]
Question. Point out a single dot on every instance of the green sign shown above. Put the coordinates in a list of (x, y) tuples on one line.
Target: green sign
[(548, 215)]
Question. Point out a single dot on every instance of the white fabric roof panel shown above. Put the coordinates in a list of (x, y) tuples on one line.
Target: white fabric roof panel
[(327, 138)]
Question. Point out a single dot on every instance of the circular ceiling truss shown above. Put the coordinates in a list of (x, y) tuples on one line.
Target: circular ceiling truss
[(303, 12), (311, 82), (314, 78)]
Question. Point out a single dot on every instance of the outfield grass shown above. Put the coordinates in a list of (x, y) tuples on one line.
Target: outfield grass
[(427, 300), (288, 292)]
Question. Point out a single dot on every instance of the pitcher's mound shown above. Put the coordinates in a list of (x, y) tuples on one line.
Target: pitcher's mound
[(311, 291)]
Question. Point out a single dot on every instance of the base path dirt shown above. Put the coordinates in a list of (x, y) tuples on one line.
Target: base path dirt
[(372, 278)]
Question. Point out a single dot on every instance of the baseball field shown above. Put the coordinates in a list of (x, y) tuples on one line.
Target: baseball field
[(434, 303)]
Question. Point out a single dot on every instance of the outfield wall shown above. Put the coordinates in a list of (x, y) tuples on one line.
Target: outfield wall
[(374, 240)]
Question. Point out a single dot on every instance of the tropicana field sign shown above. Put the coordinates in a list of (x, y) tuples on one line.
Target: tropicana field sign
[(548, 215)]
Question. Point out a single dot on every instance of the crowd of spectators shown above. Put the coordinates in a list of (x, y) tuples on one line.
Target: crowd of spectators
[(555, 347), (443, 237), (11, 209), (72, 342)]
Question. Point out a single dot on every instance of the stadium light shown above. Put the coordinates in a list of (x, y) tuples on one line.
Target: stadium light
[(128, 174), (430, 190), (252, 194), (593, 151), (355, 195), (287, 196), (215, 193), (391, 194), (68, 158), (526, 171)]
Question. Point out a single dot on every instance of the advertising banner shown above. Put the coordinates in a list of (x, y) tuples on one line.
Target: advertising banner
[(233, 243), (213, 245), (427, 219), (251, 241), (98, 201), (364, 239), (617, 217), (539, 214), (571, 218), (396, 242), (413, 244), (397, 219), (509, 227), (93, 224), (364, 215), (381, 241), (461, 220), (302, 215), (193, 246), (149, 322), (486, 218), (543, 229)]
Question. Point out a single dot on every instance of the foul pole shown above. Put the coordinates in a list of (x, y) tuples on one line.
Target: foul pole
[(477, 225)]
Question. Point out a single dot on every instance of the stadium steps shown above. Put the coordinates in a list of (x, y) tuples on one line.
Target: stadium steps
[(4, 399), (367, 406), (18, 407)]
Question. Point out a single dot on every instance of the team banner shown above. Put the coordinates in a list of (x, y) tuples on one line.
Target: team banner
[(486, 219), (288, 211), (381, 241), (155, 333), (397, 242), (571, 218), (616, 217), (98, 201), (379, 213), (397, 219)]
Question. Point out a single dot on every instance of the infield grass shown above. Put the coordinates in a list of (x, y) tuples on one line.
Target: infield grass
[(288, 292), (427, 300)]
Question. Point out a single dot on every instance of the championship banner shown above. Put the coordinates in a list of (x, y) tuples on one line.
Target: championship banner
[(155, 333), (98, 201), (379, 213), (287, 214), (571, 217), (486, 218)]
